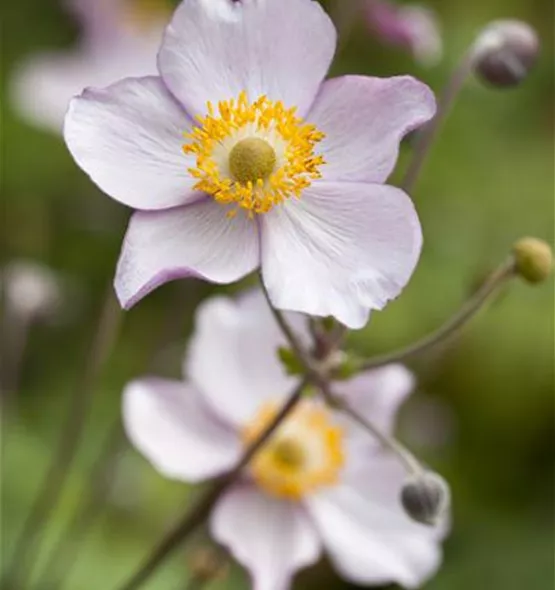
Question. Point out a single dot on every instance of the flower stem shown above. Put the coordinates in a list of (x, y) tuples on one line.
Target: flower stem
[(52, 485), (322, 383), (63, 557), (425, 138), (195, 516), (288, 332), (410, 462), (17, 330), (494, 282)]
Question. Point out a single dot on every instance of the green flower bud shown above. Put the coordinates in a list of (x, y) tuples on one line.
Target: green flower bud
[(533, 259)]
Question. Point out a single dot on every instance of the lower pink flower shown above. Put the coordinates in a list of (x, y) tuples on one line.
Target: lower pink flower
[(319, 484)]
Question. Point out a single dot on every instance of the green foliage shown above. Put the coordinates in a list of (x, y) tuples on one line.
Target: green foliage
[(488, 182)]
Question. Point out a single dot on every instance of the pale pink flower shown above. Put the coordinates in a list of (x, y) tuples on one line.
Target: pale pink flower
[(238, 156), (320, 484), (412, 27), (118, 38)]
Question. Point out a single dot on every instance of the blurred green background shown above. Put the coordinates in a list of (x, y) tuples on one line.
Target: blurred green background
[(483, 415)]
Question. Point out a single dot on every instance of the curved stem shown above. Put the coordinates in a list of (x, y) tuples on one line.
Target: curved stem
[(288, 332), (63, 556), (322, 383), (425, 138), (195, 516), (497, 279), (17, 330), (410, 462), (53, 483)]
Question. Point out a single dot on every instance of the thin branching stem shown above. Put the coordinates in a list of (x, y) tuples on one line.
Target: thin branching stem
[(322, 382), (494, 282), (426, 137)]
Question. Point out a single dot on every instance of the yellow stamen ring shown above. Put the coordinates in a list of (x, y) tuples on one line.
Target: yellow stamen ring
[(303, 455), (253, 155)]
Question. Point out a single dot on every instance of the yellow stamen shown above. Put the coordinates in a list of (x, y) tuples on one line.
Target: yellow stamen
[(253, 155), (303, 455)]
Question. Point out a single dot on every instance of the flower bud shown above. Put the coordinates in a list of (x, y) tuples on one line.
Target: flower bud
[(505, 52), (533, 259), (426, 498)]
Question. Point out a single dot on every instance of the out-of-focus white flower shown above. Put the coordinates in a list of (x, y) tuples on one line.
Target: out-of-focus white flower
[(412, 27), (30, 289), (119, 38), (320, 483)]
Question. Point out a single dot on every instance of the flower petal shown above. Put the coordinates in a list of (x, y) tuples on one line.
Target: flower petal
[(378, 394), (364, 120), (270, 537), (215, 49), (243, 338), (198, 240), (128, 138), (368, 536), (169, 424), (340, 250)]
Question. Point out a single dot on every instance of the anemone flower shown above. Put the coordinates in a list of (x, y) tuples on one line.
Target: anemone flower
[(319, 484), (239, 155), (118, 38)]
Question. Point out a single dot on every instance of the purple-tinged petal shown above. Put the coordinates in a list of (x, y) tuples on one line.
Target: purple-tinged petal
[(378, 394), (272, 538), (100, 20), (342, 249), (367, 534), (199, 240), (215, 49), (168, 422), (242, 337), (128, 138), (364, 120)]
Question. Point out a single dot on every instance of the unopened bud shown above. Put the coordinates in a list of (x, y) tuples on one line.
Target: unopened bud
[(533, 259), (207, 565), (426, 498), (505, 52)]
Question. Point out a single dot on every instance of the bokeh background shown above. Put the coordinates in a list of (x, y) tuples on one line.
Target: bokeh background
[(483, 414)]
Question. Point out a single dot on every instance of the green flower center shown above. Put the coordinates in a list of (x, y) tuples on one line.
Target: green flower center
[(252, 159)]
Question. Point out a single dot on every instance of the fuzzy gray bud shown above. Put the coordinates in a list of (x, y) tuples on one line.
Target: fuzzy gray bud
[(426, 498), (505, 52)]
